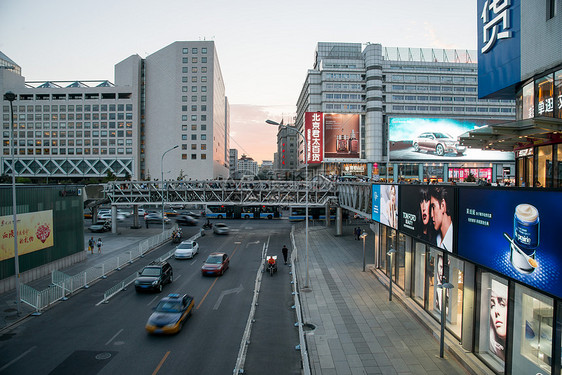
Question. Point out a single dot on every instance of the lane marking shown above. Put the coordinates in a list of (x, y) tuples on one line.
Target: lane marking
[(161, 363), (117, 334), (152, 301), (226, 292), (16, 359)]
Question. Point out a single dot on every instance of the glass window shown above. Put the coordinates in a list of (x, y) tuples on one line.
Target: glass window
[(532, 332), (544, 167), (435, 273), (455, 297), (419, 272), (184, 50), (204, 60), (492, 321), (558, 93), (204, 50), (544, 92), (400, 258), (528, 108)]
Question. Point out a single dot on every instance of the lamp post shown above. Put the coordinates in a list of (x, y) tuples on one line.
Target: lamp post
[(162, 169), (306, 189), (390, 253), (363, 236), (443, 288), (10, 96)]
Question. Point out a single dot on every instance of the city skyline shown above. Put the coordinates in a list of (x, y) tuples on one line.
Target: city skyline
[(264, 50)]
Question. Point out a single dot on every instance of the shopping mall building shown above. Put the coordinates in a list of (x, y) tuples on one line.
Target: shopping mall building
[(489, 258)]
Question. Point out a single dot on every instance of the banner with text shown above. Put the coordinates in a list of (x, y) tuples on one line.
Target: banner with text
[(35, 232)]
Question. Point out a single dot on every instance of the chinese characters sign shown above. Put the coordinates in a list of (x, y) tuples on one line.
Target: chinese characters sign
[(35, 232), (314, 124), (495, 22)]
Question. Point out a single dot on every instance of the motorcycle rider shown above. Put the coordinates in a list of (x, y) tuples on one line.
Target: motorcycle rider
[(271, 263)]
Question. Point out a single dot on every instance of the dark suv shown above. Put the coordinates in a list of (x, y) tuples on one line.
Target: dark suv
[(154, 276)]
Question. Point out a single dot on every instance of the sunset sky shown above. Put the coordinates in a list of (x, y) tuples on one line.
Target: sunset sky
[(265, 47)]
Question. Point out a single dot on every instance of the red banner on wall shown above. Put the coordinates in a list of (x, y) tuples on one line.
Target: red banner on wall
[(314, 133)]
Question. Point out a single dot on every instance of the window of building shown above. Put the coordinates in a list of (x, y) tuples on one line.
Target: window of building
[(203, 156), (184, 88), (184, 98), (194, 50), (193, 156), (193, 137), (194, 60), (184, 146), (184, 137), (193, 117), (203, 127), (184, 79), (544, 96), (203, 69), (398, 87), (194, 146), (194, 79), (203, 147), (491, 320), (184, 60), (184, 156), (544, 166), (532, 332), (419, 273), (185, 50), (203, 136), (204, 50), (203, 60), (184, 117)]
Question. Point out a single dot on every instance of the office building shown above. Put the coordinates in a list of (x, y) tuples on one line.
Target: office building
[(232, 161), (396, 113), (84, 129)]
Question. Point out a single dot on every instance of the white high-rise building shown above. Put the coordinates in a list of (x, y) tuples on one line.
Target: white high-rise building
[(82, 129)]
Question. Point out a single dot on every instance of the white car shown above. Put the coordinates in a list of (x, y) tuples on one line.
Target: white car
[(220, 228), (186, 250), (107, 217), (124, 213)]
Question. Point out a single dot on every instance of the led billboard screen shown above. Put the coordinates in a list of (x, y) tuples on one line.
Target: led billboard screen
[(385, 205), (341, 135), (427, 213), (435, 139), (514, 232)]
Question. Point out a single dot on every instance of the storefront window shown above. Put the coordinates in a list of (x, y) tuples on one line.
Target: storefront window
[(558, 181), (544, 167), (455, 300), (529, 176), (528, 101), (433, 173), (419, 272), (492, 321), (400, 258), (435, 277), (558, 94), (544, 90), (532, 333)]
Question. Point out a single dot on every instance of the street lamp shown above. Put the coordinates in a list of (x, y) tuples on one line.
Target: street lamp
[(10, 96), (306, 187), (390, 253), (443, 288), (162, 169), (363, 236)]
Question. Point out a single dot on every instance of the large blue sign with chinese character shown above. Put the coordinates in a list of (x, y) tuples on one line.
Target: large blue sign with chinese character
[(514, 232), (499, 47)]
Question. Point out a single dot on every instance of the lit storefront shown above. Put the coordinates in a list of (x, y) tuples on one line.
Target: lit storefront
[(504, 266)]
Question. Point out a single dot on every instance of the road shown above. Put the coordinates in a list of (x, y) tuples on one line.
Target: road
[(81, 336)]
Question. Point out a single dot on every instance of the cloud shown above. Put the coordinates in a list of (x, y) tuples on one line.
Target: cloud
[(249, 133)]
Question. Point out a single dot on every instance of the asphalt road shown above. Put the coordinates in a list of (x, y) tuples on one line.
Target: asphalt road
[(81, 336)]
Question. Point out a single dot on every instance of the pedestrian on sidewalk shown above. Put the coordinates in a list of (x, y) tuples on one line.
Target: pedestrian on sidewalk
[(357, 233), (99, 245), (285, 252), (91, 244)]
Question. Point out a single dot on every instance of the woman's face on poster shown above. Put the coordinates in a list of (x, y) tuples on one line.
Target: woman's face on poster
[(425, 214), (498, 313)]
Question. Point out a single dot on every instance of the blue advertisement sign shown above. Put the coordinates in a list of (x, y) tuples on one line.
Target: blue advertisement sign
[(385, 205), (499, 47), (436, 139), (514, 232)]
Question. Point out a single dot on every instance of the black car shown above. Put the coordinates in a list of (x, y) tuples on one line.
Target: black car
[(186, 220), (154, 276)]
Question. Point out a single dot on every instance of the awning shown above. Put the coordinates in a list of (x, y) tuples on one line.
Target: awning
[(514, 134)]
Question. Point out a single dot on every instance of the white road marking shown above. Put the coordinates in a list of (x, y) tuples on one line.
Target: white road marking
[(114, 336), (16, 359), (226, 292)]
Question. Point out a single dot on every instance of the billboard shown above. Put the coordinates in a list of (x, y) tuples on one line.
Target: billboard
[(341, 135), (435, 139), (499, 47), (514, 232), (313, 128), (35, 232), (427, 213), (385, 205)]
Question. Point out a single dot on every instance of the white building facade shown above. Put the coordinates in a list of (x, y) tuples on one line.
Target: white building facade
[(81, 129)]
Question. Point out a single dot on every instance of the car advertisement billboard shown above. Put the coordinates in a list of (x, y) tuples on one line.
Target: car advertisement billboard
[(341, 135), (427, 213), (313, 128), (385, 205), (435, 139), (35, 232), (514, 232), (499, 47)]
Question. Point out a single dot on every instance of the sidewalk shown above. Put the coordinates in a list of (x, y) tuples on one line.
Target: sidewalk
[(358, 331)]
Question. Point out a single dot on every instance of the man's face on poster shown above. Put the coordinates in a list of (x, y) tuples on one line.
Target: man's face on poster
[(437, 212)]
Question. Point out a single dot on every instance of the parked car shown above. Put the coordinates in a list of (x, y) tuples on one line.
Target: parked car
[(215, 264), (123, 213), (220, 228), (170, 314), (106, 217), (154, 276), (156, 218), (440, 143), (186, 220), (186, 250)]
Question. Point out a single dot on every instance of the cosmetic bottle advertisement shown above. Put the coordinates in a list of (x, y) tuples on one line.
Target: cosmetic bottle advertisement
[(513, 232), (341, 135)]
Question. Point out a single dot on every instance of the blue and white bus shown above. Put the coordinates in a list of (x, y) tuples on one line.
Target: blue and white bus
[(298, 213)]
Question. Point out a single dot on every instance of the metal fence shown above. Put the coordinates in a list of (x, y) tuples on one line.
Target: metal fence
[(64, 285)]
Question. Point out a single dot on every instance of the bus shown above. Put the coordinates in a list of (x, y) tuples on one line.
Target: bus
[(298, 213), (216, 212), (259, 212)]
